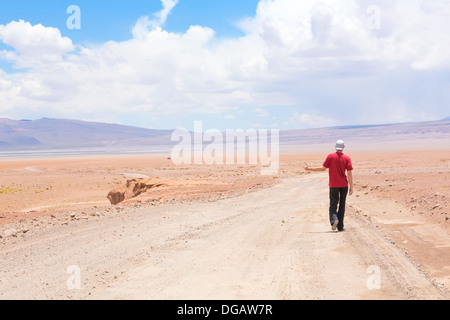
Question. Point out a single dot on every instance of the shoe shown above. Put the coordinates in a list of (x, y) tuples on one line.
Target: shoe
[(335, 223)]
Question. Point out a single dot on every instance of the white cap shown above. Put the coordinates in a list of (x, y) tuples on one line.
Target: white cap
[(340, 145)]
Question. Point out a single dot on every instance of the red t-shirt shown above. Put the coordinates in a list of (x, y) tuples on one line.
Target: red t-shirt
[(337, 163)]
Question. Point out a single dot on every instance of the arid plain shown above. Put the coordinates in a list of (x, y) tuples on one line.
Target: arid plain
[(404, 194), (189, 229)]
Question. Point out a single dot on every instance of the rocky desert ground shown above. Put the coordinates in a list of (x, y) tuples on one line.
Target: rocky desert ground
[(199, 231)]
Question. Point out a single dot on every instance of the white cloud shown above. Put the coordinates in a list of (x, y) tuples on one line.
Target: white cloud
[(168, 5), (315, 55), (36, 40), (307, 120), (33, 44), (144, 25)]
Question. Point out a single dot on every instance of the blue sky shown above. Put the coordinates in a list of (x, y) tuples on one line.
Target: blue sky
[(232, 64), (112, 20)]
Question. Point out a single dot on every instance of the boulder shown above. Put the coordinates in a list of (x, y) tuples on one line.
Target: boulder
[(133, 188)]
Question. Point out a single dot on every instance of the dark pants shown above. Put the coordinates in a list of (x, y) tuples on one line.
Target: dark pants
[(338, 196)]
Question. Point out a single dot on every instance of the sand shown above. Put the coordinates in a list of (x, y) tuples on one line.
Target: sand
[(42, 187), (226, 231)]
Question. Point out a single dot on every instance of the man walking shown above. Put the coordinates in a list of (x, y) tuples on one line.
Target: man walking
[(340, 184)]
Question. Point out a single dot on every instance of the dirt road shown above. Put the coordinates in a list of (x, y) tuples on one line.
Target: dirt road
[(274, 243)]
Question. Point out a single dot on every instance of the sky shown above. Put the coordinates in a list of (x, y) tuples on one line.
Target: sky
[(264, 64)]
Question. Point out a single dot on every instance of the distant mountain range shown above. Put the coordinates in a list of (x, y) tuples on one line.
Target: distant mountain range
[(54, 134), (62, 133), (419, 135)]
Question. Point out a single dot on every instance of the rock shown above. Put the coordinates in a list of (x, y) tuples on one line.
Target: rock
[(116, 196), (133, 188), (10, 233)]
